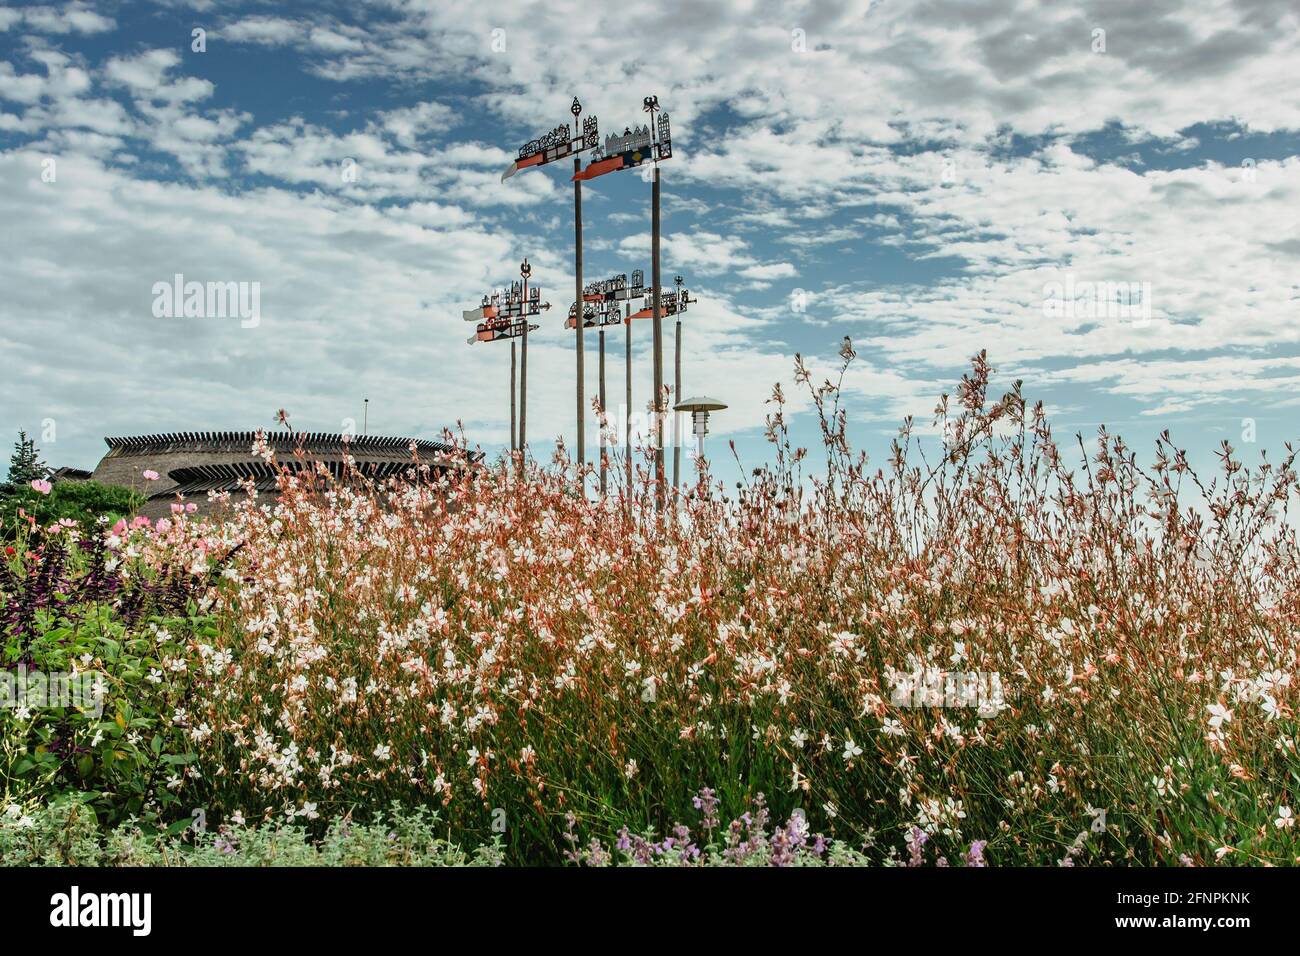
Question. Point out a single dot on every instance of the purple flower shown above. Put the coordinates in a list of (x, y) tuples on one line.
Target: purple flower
[(706, 801), (915, 842)]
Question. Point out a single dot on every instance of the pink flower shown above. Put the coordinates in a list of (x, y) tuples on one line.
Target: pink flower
[(178, 508), (41, 485), (141, 522), (119, 529), (163, 526), (191, 507), (150, 475)]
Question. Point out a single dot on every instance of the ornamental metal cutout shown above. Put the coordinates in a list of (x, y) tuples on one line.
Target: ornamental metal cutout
[(502, 314), (602, 301), (557, 144), (634, 146)]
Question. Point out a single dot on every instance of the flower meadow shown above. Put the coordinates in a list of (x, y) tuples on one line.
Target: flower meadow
[(558, 678)]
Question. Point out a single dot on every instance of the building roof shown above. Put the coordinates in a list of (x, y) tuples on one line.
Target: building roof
[(191, 464), (198, 480), (242, 442)]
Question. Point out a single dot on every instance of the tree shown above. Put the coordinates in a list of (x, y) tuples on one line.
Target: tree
[(25, 465)]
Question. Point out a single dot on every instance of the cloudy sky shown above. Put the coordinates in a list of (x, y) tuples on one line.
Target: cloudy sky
[(925, 177)]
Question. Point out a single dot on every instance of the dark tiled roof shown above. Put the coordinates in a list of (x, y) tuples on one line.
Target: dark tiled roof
[(198, 480), (280, 441)]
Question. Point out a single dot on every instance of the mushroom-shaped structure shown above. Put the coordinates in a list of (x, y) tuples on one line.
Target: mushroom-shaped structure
[(699, 408)]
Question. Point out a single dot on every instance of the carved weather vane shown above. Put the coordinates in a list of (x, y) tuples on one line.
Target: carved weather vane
[(635, 146), (505, 314), (557, 144), (561, 142)]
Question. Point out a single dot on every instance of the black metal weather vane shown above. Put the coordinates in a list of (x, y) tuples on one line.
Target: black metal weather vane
[(505, 314)]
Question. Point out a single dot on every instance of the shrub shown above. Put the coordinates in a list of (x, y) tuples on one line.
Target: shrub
[(506, 649), (66, 833), (81, 501), (118, 613), (537, 664)]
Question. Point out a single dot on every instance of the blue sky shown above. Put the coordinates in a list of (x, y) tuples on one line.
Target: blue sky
[(917, 176)]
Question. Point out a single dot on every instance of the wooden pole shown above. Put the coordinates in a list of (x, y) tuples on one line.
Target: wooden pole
[(627, 409), (677, 397), (657, 320), (577, 297), (523, 375), (603, 412), (513, 373)]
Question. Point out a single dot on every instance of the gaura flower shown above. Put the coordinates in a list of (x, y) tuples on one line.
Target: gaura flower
[(1219, 715)]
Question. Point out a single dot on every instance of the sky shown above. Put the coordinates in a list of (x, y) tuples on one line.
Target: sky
[(1102, 195)]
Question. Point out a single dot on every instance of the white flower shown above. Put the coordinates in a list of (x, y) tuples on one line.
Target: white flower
[(629, 769), (382, 751), (798, 739), (1219, 715), (851, 749), (1269, 706), (1284, 818)]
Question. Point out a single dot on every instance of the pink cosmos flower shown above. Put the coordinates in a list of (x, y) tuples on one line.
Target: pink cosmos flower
[(41, 485), (191, 507), (120, 528), (150, 475), (163, 526), (178, 508)]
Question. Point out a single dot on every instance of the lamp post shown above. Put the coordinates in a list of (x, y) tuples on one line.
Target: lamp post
[(699, 409), (504, 315), (555, 145)]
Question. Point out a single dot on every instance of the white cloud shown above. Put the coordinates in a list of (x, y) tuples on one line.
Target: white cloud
[(69, 18)]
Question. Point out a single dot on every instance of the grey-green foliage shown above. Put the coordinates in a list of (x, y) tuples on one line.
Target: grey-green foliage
[(67, 834)]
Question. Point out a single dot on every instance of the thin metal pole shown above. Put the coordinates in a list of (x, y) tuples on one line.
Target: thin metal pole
[(577, 297), (523, 375), (658, 342), (513, 373), (603, 412), (627, 409), (677, 397)]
